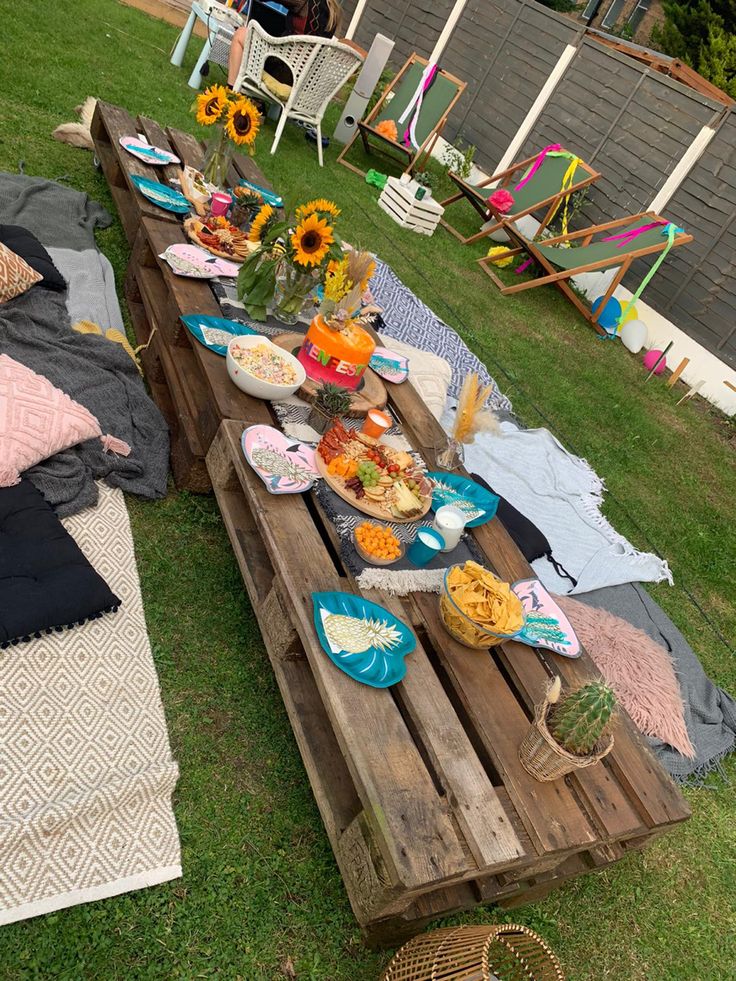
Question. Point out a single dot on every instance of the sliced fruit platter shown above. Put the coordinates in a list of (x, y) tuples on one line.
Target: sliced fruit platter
[(219, 237), (375, 478)]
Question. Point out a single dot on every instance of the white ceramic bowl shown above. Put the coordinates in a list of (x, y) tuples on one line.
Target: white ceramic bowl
[(257, 387)]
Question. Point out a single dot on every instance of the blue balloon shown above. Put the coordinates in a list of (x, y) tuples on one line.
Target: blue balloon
[(611, 313)]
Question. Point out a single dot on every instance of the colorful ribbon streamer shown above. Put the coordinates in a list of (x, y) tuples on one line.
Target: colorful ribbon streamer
[(567, 182), (409, 138), (552, 148), (670, 231)]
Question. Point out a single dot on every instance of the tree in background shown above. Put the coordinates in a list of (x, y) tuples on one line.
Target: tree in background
[(701, 33)]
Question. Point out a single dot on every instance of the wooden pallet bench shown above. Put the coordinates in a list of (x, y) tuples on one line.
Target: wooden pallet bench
[(189, 383)]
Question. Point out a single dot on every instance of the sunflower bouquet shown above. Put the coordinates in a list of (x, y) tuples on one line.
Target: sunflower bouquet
[(238, 120), (290, 255)]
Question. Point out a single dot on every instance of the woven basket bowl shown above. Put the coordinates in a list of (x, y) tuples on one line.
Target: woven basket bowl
[(507, 952), (545, 759)]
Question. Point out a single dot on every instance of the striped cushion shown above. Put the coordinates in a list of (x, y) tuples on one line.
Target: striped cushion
[(16, 276)]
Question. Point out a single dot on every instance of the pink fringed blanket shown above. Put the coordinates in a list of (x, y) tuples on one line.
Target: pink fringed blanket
[(637, 668)]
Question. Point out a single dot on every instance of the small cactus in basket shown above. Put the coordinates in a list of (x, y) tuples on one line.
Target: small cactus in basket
[(580, 720), (568, 734)]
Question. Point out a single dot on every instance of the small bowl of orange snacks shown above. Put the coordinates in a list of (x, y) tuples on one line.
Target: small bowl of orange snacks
[(478, 609), (377, 544)]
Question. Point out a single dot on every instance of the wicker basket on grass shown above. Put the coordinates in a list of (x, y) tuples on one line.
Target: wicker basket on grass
[(506, 952), (542, 755)]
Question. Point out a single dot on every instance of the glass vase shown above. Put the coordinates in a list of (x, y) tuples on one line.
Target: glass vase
[(217, 159), (450, 454), (292, 289)]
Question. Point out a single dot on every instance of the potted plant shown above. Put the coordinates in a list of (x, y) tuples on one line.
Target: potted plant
[(569, 733), (426, 182), (330, 401)]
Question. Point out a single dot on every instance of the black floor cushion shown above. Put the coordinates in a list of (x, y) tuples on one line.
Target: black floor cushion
[(46, 583), (27, 246)]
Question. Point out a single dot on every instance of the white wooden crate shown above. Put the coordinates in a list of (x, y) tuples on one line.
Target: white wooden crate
[(399, 201)]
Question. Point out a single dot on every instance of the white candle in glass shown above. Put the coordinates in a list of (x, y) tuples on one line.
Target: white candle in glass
[(449, 521)]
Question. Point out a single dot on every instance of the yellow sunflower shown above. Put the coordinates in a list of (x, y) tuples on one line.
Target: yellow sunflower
[(312, 240), (260, 223), (243, 122), (319, 205), (210, 104)]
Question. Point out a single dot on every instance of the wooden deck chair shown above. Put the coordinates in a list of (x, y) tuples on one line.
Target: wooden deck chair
[(543, 190), (564, 256), (436, 106)]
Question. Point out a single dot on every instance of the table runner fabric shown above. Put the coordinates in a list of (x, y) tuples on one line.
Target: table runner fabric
[(85, 764), (402, 577), (563, 495), (710, 712)]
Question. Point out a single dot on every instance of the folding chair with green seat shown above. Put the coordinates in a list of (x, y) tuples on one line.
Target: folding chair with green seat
[(436, 104), (548, 186), (564, 256)]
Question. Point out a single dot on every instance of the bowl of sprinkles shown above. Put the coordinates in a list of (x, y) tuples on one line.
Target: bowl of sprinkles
[(261, 369)]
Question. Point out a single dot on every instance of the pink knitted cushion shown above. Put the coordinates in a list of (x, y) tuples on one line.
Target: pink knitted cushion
[(38, 420), (638, 669)]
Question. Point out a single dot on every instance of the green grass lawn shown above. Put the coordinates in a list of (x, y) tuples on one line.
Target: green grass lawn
[(260, 884)]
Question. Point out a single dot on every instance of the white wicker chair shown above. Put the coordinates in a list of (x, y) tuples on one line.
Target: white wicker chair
[(319, 68)]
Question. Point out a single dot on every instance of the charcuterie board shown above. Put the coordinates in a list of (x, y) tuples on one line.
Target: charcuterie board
[(392, 487)]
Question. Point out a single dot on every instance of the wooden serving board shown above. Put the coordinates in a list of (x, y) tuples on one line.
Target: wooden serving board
[(364, 504), (371, 394)]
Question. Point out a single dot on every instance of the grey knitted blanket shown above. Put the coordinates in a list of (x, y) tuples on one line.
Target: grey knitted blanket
[(35, 330), (57, 215)]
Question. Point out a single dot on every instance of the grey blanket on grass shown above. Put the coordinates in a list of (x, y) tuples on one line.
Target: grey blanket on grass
[(36, 331), (57, 215), (91, 291), (710, 712)]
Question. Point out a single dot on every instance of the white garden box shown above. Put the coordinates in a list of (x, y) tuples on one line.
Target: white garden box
[(399, 200)]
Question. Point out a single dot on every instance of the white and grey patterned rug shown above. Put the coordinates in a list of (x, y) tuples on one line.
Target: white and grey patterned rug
[(86, 772)]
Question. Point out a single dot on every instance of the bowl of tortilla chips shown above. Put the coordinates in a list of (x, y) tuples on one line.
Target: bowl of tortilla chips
[(477, 609)]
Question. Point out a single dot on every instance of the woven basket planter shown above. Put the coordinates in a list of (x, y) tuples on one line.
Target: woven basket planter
[(543, 757), (505, 952)]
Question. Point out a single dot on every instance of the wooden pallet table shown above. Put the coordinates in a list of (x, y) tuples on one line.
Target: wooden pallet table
[(420, 788), (189, 383)]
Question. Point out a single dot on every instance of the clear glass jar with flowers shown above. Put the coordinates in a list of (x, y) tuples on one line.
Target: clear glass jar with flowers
[(290, 256), (236, 122)]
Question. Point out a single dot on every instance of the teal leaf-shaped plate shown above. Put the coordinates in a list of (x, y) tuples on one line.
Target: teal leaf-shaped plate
[(214, 332), (162, 195), (362, 638), (452, 488)]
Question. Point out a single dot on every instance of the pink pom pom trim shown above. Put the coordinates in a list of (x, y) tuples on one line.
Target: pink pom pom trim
[(502, 200)]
